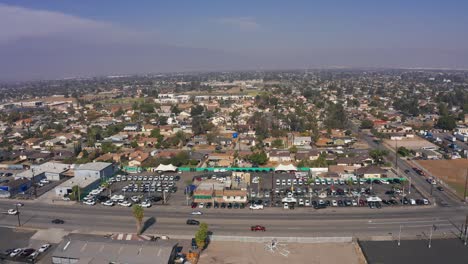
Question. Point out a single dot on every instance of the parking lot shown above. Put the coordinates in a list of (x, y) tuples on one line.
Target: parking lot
[(20, 248), (146, 189), (286, 190), (280, 188)]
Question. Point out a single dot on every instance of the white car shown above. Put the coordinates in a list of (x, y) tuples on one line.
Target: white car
[(33, 255), (307, 203), (125, 203), (146, 204), (256, 207), (334, 203), (16, 252), (196, 213), (12, 212), (301, 202), (108, 203), (66, 198), (43, 248), (135, 199), (201, 205), (116, 197), (44, 181), (89, 202)]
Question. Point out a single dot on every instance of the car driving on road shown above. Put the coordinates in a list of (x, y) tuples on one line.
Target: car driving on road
[(12, 212), (192, 222), (58, 221), (257, 228)]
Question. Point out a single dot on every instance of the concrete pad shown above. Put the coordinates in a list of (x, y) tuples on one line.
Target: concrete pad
[(253, 253), (51, 235)]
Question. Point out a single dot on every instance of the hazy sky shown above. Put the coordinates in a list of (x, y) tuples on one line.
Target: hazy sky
[(66, 38)]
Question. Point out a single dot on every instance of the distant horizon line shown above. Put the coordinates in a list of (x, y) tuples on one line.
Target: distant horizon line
[(124, 75)]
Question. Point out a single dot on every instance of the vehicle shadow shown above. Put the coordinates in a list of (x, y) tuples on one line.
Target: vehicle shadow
[(148, 223)]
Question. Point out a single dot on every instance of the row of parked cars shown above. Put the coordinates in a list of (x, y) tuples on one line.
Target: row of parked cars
[(120, 178), (121, 200), (155, 186), (300, 182), (26, 253), (218, 205)]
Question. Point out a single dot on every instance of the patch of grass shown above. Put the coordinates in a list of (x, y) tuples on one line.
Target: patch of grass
[(127, 100), (459, 188)]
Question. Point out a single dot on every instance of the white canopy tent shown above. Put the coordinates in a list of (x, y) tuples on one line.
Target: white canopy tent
[(289, 167), (163, 167)]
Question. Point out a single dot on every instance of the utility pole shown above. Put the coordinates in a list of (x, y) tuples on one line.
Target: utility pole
[(396, 156), (466, 182)]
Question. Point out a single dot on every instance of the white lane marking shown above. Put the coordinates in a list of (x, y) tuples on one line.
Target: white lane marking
[(408, 222), (415, 226)]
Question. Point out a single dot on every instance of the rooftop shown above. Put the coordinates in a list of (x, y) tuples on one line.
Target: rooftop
[(97, 166), (96, 249)]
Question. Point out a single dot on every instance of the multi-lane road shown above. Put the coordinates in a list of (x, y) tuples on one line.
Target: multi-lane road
[(170, 220), (441, 198)]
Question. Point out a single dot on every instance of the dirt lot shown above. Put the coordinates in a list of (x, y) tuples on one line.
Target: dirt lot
[(412, 143), (253, 253), (450, 171)]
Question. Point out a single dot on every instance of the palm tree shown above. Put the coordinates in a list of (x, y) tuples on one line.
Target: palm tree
[(107, 186), (138, 213)]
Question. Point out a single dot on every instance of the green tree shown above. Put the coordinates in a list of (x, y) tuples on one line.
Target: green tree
[(447, 122), (201, 236), (367, 124), (197, 110), (75, 194), (404, 152), (378, 155), (259, 158), (293, 149), (277, 143), (138, 214)]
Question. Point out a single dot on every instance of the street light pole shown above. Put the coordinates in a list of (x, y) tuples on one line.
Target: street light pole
[(430, 237), (18, 214), (409, 187), (399, 236)]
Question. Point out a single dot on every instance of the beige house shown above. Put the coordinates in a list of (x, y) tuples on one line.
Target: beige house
[(235, 196), (371, 172)]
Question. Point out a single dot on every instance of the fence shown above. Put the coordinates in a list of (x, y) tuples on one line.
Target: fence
[(303, 240)]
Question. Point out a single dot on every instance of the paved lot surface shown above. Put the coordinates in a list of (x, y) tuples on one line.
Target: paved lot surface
[(11, 239), (415, 251), (253, 253), (413, 143)]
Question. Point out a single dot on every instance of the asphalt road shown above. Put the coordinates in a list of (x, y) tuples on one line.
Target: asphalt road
[(170, 220)]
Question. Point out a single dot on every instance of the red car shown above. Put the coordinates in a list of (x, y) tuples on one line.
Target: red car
[(257, 228), (194, 205)]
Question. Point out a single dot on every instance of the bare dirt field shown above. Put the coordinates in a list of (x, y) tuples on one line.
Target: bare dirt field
[(450, 171), (253, 253), (411, 143)]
